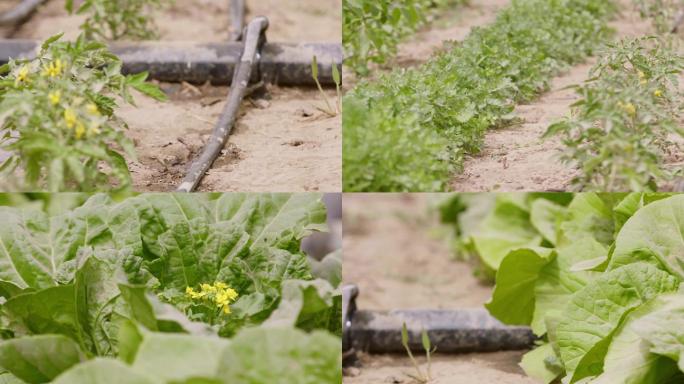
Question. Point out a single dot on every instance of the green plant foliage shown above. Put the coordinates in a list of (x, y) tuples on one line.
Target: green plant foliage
[(118, 19), (624, 125), (372, 29), (105, 287), (455, 97), (604, 293), (57, 112)]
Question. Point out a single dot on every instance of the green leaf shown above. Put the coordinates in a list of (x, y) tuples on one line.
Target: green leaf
[(654, 234), (103, 371), (39, 359), (536, 364), (595, 312), (308, 305), (663, 328), (507, 227), (629, 359), (513, 300), (314, 67), (174, 357), (286, 356)]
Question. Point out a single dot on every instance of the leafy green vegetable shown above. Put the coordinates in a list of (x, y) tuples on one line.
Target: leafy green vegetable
[(111, 280), (602, 289)]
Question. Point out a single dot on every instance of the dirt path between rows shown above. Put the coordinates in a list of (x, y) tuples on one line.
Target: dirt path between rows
[(396, 252), (208, 20), (516, 158), (281, 143)]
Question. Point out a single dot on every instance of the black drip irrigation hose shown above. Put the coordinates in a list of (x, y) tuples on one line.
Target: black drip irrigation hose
[(450, 331), (255, 37), (237, 19), (19, 13)]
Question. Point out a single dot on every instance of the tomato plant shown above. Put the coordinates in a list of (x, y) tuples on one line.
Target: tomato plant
[(118, 19), (58, 112), (623, 126)]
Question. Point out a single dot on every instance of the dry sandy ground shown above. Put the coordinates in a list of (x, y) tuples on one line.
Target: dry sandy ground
[(516, 158), (393, 252), (281, 142)]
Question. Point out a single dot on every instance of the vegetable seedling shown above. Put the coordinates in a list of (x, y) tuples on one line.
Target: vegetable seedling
[(425, 339)]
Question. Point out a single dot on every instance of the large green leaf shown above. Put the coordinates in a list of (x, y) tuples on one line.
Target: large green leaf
[(663, 329), (309, 305), (104, 371), (175, 357), (39, 359), (654, 234), (629, 359), (594, 313), (506, 228), (513, 300), (285, 356)]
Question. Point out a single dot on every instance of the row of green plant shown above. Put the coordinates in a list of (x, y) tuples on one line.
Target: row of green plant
[(169, 288), (627, 119), (410, 129), (596, 276), (373, 29), (58, 115)]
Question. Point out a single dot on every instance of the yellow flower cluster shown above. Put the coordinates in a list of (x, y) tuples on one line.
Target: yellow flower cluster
[(657, 93), (73, 122), (53, 69), (219, 294)]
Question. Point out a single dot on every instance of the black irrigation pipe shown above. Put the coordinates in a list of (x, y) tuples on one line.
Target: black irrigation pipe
[(237, 19), (450, 331), (254, 39), (281, 64), (19, 13)]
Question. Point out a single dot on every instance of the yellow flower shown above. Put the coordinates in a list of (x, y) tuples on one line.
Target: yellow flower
[(221, 285), (641, 75), (208, 288), (189, 291), (70, 117), (92, 109), (658, 93), (53, 69), (80, 130), (55, 97), (22, 75), (630, 109), (232, 295)]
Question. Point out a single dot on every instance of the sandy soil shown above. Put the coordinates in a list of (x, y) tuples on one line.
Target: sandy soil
[(208, 20), (281, 143), (516, 158), (395, 252)]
